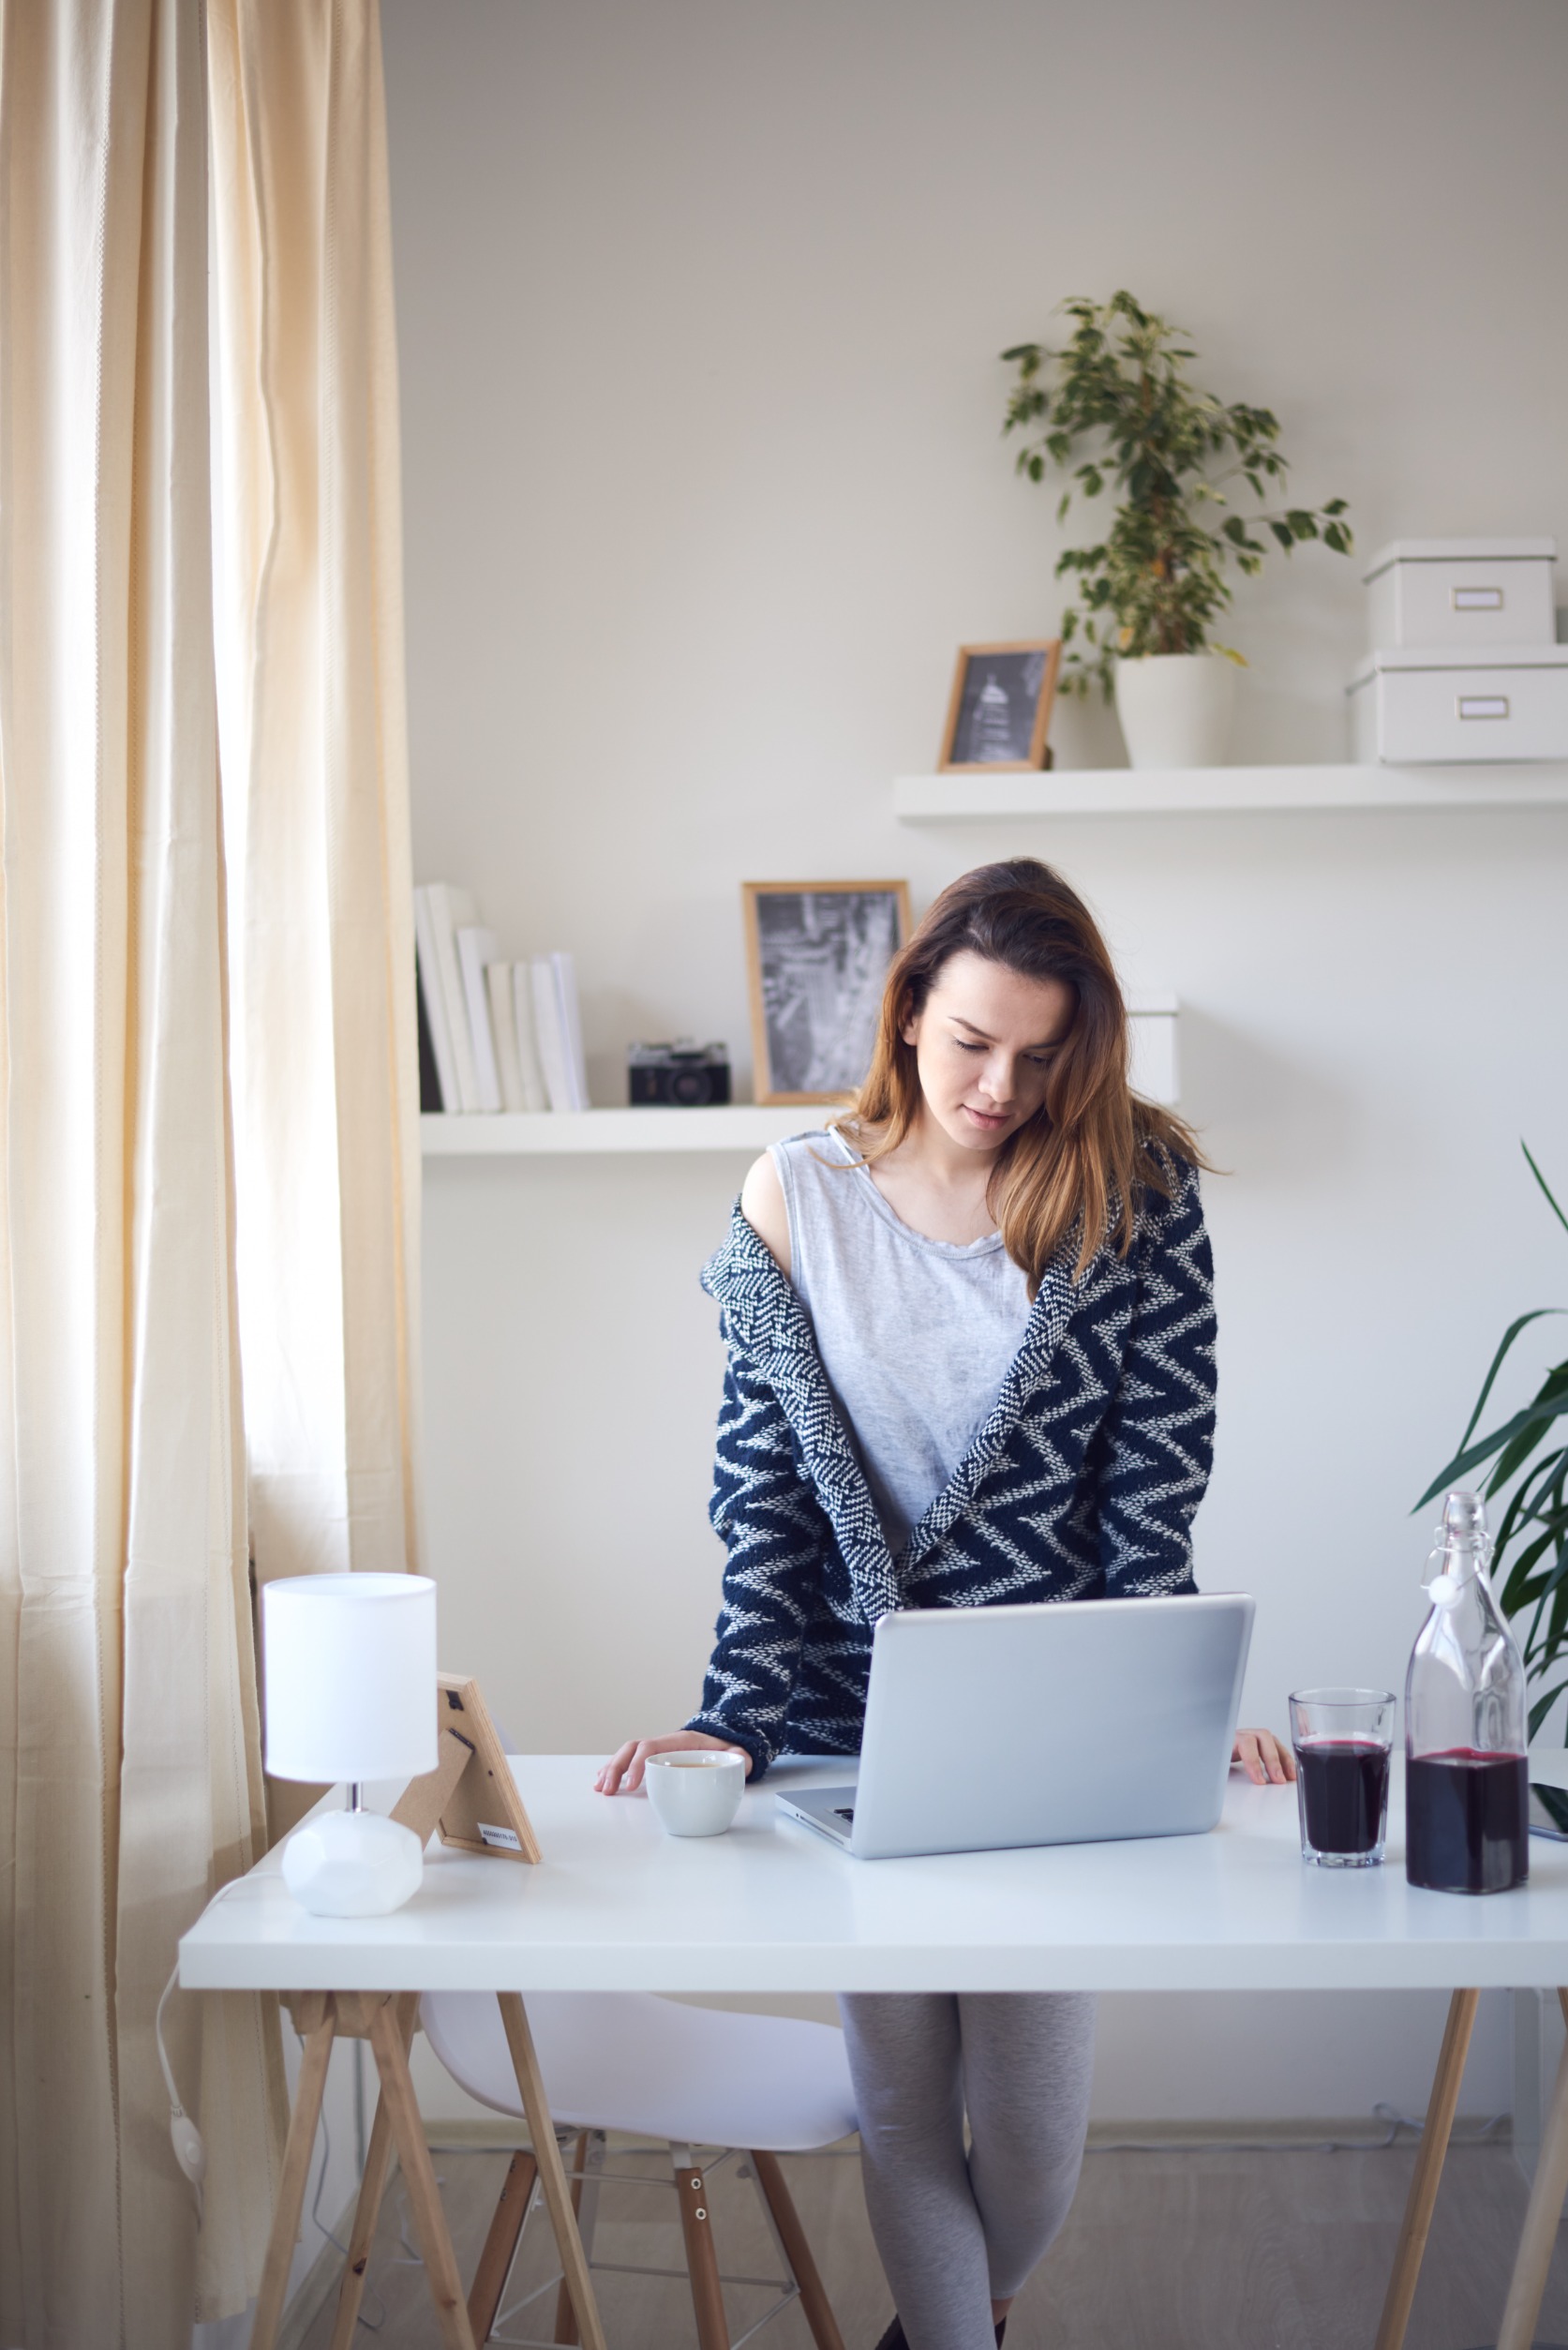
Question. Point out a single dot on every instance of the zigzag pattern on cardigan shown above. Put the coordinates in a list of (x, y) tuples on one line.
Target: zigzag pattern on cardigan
[(1081, 1483)]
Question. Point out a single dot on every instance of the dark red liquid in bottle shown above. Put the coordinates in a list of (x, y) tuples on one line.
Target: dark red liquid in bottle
[(1344, 1792), (1467, 1821)]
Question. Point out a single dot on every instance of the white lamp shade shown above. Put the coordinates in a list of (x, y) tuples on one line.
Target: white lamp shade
[(350, 1662)]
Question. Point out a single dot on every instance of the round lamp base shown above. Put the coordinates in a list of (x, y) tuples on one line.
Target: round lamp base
[(352, 1864)]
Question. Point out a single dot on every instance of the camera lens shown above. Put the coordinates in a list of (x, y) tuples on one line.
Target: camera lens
[(691, 1087)]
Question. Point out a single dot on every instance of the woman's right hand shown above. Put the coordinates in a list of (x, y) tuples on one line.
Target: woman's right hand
[(622, 1774)]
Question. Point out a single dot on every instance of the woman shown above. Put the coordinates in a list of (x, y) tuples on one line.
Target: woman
[(971, 1360)]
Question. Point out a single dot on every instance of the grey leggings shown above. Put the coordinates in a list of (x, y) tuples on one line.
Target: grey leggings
[(957, 2232)]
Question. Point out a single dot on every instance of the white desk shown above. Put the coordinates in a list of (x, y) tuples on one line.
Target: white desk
[(772, 1907)]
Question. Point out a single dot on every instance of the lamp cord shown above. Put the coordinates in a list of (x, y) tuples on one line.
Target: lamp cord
[(183, 2137)]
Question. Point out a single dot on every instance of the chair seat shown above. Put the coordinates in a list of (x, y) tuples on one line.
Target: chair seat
[(631, 2060)]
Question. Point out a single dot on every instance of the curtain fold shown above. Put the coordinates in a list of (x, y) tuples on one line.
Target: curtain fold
[(130, 1760), (316, 790)]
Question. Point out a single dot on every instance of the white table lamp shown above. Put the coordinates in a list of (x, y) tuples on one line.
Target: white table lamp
[(351, 1694)]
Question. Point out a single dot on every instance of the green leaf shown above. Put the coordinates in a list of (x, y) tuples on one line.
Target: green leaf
[(1512, 1332), (1542, 1706), (1538, 1415), (1520, 1447), (1283, 533), (1541, 1179)]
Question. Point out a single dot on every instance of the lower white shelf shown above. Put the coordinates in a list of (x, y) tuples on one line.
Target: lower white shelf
[(742, 1127), (1115, 791)]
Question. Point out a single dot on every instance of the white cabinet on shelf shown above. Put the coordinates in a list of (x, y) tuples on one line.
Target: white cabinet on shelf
[(1122, 791)]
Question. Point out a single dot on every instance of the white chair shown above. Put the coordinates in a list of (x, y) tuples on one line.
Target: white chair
[(699, 2077)]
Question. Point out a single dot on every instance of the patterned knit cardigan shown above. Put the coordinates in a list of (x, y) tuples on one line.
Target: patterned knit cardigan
[(1080, 1484)]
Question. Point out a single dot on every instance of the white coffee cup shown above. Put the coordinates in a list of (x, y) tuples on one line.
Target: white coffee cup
[(695, 1794)]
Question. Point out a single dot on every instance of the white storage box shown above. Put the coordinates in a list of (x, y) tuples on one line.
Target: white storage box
[(1416, 706), (1467, 594)]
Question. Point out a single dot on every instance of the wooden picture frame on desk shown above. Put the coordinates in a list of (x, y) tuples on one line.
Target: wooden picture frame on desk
[(470, 1796)]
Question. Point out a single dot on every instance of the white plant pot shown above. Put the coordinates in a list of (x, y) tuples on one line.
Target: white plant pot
[(1175, 708)]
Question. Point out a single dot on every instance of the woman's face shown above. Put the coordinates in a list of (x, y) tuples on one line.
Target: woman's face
[(984, 1044)]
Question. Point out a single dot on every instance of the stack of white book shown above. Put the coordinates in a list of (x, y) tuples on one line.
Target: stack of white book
[(492, 1035)]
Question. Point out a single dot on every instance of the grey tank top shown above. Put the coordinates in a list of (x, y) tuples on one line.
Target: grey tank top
[(915, 1336)]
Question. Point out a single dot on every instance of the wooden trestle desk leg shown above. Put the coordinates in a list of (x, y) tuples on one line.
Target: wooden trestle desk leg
[(1428, 2170), (1538, 2237), (425, 2203), (367, 2208), (501, 2245), (552, 2171), (296, 2168)]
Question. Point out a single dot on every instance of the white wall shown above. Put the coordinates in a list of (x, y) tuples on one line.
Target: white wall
[(699, 313)]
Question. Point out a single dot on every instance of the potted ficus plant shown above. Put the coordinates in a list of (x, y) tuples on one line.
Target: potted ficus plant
[(1530, 1560), (1118, 398)]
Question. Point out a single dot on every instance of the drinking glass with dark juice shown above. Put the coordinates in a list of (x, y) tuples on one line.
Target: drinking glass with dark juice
[(1343, 1739)]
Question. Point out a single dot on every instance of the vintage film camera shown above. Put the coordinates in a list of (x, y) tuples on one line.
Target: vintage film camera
[(677, 1076)]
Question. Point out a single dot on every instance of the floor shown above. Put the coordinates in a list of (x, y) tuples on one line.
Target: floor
[(1166, 2251)]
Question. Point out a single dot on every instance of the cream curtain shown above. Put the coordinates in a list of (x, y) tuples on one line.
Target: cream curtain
[(315, 768), (130, 1770), (147, 1250)]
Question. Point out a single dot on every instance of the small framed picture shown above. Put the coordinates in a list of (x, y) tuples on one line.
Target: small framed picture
[(817, 955), (1000, 710)]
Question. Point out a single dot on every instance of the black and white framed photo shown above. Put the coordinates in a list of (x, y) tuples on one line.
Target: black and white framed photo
[(817, 955), (999, 712)]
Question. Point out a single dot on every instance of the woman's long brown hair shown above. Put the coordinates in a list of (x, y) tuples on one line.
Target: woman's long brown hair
[(1083, 1160)]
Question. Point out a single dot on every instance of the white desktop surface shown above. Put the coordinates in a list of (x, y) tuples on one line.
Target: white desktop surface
[(618, 1905)]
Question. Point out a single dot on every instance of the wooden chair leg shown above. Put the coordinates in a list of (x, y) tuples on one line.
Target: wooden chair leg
[(425, 2203), (1543, 2216), (1428, 2170), (297, 2151), (566, 2321), (797, 2252), (552, 2172), (701, 2261), (500, 2246), (367, 2207)]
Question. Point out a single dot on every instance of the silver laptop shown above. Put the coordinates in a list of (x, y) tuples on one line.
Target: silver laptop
[(1069, 1723)]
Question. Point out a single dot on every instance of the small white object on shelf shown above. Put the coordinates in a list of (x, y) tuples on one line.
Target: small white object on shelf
[(1119, 791), (1156, 1071), (349, 1681), (476, 946), (1464, 595), (1422, 705), (535, 1095), (440, 911), (503, 1028)]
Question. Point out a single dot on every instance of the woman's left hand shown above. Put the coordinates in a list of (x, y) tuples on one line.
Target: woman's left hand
[(1266, 1760)]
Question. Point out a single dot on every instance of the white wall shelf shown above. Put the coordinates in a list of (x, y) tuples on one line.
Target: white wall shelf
[(1117, 791), (742, 1126)]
